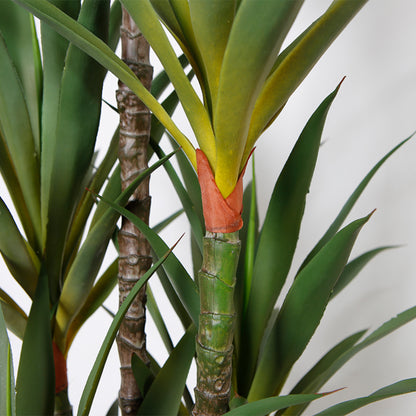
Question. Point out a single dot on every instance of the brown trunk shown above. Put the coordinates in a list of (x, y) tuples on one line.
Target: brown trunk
[(135, 258)]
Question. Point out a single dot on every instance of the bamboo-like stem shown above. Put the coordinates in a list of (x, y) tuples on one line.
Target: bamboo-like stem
[(134, 251), (216, 323)]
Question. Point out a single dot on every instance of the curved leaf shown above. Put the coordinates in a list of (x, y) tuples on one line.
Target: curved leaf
[(278, 238), (179, 277), (78, 115), (255, 38), (84, 269), (265, 406), (14, 316), (18, 29), (301, 312), (346, 209), (97, 49), (176, 368), (17, 134), (95, 374), (19, 257), (295, 62), (345, 408), (354, 267), (146, 19)]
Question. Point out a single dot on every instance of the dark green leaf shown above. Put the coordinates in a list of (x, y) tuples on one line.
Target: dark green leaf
[(265, 406), (346, 209), (17, 27), (354, 267), (176, 368), (163, 224), (113, 410), (142, 374), (71, 150), (278, 238), (345, 408), (95, 374), (114, 25), (14, 316), (302, 311), (180, 279), (7, 397), (19, 257), (35, 384)]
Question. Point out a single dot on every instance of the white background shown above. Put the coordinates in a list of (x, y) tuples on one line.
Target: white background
[(374, 110)]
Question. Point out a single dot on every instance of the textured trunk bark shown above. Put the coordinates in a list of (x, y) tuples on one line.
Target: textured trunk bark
[(216, 323), (135, 258)]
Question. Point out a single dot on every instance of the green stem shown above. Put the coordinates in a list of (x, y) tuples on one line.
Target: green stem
[(216, 323), (62, 405)]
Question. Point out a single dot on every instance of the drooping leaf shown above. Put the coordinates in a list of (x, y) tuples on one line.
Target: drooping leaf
[(279, 236), (18, 255), (345, 408), (114, 25), (7, 396), (35, 383), (301, 312), (95, 374), (13, 314), (176, 367), (17, 27), (97, 49)]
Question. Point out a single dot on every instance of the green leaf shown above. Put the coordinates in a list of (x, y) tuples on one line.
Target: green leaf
[(346, 209), (301, 312), (154, 311), (256, 36), (87, 263), (72, 148), (17, 27), (54, 48), (320, 378), (147, 20), (113, 410), (142, 374), (19, 257), (179, 277), (13, 314), (95, 374), (97, 49), (354, 267), (176, 368), (35, 384), (279, 236), (7, 397), (188, 206), (98, 294), (84, 208), (265, 406), (167, 221), (114, 25), (295, 62), (395, 389), (211, 22), (18, 137), (306, 384)]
